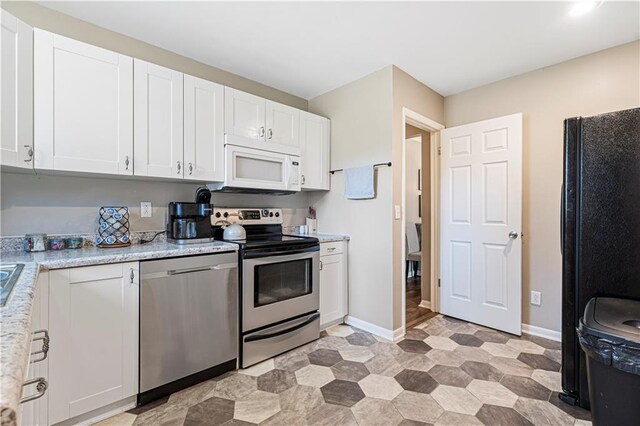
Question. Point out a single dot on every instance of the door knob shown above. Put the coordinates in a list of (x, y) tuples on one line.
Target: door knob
[(513, 235)]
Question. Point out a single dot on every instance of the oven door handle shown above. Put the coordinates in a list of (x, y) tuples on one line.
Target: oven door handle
[(255, 254), (255, 338)]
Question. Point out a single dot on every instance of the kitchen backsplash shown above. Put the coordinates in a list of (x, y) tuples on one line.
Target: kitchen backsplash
[(89, 240), (63, 205)]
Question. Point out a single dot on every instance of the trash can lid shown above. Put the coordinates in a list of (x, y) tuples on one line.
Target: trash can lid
[(614, 319)]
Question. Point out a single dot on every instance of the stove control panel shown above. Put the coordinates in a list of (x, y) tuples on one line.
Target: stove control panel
[(246, 216)]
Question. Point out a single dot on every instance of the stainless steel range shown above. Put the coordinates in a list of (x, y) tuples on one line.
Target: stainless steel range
[(279, 298)]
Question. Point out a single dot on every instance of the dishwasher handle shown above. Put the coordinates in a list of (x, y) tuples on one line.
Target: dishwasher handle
[(207, 268)]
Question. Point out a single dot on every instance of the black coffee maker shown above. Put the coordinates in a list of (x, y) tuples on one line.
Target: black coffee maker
[(191, 222)]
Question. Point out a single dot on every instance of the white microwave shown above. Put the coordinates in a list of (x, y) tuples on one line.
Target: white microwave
[(253, 171)]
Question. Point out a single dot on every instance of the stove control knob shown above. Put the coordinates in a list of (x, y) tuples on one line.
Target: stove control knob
[(226, 214), (218, 214), (265, 213), (277, 214), (271, 214)]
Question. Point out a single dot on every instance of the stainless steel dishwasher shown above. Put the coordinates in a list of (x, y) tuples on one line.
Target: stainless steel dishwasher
[(188, 322)]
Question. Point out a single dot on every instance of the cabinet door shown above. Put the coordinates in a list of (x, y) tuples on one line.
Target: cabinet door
[(203, 130), (83, 107), (244, 114), (16, 120), (93, 320), (332, 288), (34, 413), (158, 121), (283, 123), (314, 151)]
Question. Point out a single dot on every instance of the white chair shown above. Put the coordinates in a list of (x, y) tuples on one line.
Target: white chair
[(414, 251)]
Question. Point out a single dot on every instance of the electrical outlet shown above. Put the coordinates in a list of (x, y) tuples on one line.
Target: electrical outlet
[(536, 298), (145, 209)]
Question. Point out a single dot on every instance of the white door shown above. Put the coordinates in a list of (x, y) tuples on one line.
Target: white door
[(244, 115), (481, 222), (203, 130), (314, 151), (83, 106), (158, 121), (283, 123), (16, 122), (93, 323)]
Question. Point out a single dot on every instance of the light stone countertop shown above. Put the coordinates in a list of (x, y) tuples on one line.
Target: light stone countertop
[(322, 237), (15, 316)]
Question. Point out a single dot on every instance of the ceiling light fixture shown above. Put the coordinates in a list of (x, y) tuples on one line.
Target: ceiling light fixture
[(583, 7)]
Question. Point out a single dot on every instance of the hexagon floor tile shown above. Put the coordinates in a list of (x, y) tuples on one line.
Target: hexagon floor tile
[(445, 372)]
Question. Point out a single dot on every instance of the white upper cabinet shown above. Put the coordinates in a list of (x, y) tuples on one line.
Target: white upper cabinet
[(282, 128), (16, 122), (158, 121), (83, 107), (314, 151), (254, 122), (203, 130), (244, 115)]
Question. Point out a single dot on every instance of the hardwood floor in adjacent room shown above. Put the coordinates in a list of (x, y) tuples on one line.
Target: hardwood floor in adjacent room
[(415, 313)]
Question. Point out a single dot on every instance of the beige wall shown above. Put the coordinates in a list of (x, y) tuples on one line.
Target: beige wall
[(409, 93), (425, 278), (604, 81), (360, 114), (69, 205), (50, 20)]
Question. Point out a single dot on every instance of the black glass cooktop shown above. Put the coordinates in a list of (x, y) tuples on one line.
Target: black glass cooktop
[(265, 236)]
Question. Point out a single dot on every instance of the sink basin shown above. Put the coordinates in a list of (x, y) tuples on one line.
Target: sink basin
[(9, 274)]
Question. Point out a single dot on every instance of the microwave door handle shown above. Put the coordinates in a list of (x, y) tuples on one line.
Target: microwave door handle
[(309, 320)]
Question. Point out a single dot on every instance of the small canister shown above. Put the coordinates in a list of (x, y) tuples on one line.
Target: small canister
[(56, 243), (74, 242), (35, 242)]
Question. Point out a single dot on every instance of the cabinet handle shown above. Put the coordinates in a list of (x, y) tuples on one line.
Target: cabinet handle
[(45, 345), (126, 162), (262, 132), (132, 276), (190, 168), (303, 179), (41, 387), (29, 153), (331, 249), (270, 133), (321, 265), (179, 166)]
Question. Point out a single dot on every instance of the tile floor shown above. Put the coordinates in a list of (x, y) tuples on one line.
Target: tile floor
[(445, 372)]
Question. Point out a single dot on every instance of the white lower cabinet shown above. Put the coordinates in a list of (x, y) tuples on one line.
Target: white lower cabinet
[(93, 324), (334, 303), (35, 412)]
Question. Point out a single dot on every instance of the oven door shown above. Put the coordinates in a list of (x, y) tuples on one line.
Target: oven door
[(279, 285)]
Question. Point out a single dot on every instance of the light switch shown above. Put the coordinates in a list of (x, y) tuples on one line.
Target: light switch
[(398, 212)]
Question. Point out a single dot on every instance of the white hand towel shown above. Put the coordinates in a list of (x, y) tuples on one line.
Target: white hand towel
[(358, 183)]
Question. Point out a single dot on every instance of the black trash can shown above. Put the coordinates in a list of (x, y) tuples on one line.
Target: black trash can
[(609, 335)]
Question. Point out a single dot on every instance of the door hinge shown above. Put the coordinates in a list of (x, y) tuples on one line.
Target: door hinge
[(439, 151), (438, 282)]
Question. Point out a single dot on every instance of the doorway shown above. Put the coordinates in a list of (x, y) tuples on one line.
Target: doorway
[(417, 236), (420, 232)]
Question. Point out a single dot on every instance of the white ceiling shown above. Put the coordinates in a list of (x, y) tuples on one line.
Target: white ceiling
[(310, 48)]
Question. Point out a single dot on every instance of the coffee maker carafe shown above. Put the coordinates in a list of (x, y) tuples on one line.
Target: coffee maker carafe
[(191, 222)]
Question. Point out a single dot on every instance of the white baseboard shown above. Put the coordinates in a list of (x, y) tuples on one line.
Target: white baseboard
[(374, 329), (542, 332), (425, 304)]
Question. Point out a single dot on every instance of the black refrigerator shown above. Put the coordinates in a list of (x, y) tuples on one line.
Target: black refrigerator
[(600, 227)]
